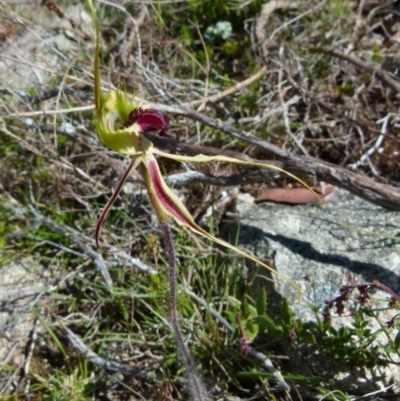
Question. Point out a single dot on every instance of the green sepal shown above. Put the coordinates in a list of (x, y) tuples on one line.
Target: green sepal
[(123, 105)]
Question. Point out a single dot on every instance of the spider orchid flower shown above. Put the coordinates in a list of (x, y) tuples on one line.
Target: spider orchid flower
[(121, 124)]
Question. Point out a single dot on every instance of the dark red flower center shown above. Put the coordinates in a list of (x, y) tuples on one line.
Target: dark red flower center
[(148, 120)]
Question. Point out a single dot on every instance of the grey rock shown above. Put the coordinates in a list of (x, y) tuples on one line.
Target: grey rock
[(29, 59), (346, 235)]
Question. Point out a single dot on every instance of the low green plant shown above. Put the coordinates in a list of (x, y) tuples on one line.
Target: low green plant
[(348, 348), (60, 386)]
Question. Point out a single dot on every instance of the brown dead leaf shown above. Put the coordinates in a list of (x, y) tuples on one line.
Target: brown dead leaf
[(294, 196)]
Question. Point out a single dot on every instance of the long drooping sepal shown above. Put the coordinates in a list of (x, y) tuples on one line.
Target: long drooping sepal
[(225, 159), (168, 206), (133, 164)]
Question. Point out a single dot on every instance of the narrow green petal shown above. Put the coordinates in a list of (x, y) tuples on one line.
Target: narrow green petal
[(225, 159)]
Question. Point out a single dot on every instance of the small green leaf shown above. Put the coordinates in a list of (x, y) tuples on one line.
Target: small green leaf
[(252, 312), (269, 326), (251, 330), (234, 303), (262, 302), (376, 55), (309, 337), (390, 350), (244, 310), (265, 322), (231, 317), (286, 313), (397, 340)]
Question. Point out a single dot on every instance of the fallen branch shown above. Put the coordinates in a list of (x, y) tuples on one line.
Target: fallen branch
[(96, 258), (247, 177), (364, 187)]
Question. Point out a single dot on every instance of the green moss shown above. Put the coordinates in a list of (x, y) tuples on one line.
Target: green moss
[(339, 8), (6, 225), (346, 89), (231, 48), (321, 68), (376, 54)]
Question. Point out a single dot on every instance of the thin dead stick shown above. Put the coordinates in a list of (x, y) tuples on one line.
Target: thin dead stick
[(378, 143), (294, 4), (50, 112), (229, 91), (20, 61), (17, 60), (72, 235), (132, 261), (258, 355), (377, 71), (129, 36), (12, 379), (9, 355), (208, 69), (259, 35), (58, 98), (47, 94), (28, 359), (17, 139), (285, 109)]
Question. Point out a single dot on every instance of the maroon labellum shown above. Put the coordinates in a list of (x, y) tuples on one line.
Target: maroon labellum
[(148, 120)]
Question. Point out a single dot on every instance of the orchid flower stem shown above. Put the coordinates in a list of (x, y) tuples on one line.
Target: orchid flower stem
[(195, 384)]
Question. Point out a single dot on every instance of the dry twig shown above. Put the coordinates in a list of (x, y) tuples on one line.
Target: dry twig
[(352, 58), (109, 367)]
